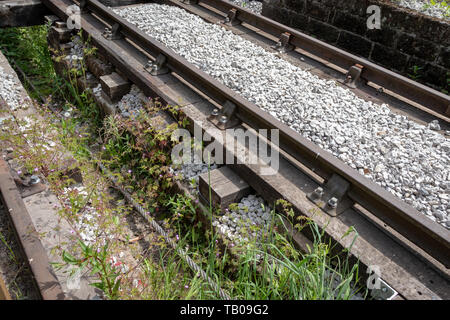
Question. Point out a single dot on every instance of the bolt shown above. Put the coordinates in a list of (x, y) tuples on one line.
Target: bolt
[(154, 68), (34, 179), (149, 64), (223, 119), (333, 202), (318, 193), (215, 112)]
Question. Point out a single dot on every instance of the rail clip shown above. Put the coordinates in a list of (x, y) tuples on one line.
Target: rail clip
[(352, 76), (225, 118), (283, 44), (332, 197), (113, 33), (157, 67), (231, 19)]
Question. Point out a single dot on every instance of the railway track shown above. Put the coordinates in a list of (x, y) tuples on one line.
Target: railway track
[(128, 49), (28, 238), (4, 294)]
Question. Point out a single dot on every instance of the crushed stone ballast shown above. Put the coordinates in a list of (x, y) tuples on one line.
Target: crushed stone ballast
[(437, 8), (408, 159)]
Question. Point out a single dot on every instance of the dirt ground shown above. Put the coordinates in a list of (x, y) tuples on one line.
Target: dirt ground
[(13, 267)]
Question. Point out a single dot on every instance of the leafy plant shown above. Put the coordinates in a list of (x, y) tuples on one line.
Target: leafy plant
[(97, 261)]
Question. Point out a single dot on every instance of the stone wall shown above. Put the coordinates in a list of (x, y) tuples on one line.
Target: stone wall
[(407, 40), (22, 13)]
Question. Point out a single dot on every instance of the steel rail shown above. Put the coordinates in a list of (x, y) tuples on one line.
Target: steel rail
[(4, 293), (28, 238), (425, 233), (412, 90)]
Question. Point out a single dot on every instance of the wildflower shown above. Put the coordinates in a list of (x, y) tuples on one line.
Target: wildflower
[(217, 254), (36, 169), (103, 148), (178, 238), (19, 172), (186, 286), (232, 245), (196, 200), (98, 250), (129, 171)]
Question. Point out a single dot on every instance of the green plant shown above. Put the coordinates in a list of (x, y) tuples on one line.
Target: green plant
[(27, 46), (11, 254), (415, 72), (97, 261)]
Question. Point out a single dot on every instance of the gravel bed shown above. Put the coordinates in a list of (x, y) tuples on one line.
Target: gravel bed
[(247, 222), (76, 54), (97, 90), (410, 160), (131, 103), (252, 5), (190, 172), (10, 90), (437, 10), (86, 222)]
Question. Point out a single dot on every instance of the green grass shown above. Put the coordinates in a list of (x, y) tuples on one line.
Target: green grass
[(26, 46), (280, 271)]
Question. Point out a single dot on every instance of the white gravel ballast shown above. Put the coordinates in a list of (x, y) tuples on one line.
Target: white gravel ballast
[(9, 91), (439, 8), (252, 5), (410, 160), (247, 223)]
